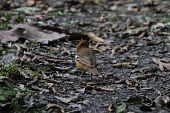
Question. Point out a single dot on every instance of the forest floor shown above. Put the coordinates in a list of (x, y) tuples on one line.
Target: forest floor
[(37, 51)]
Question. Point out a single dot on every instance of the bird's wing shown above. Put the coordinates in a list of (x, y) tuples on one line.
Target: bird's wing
[(86, 60)]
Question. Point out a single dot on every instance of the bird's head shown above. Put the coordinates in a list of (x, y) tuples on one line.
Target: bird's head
[(82, 44)]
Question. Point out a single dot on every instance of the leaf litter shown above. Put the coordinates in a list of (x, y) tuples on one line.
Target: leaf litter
[(133, 54)]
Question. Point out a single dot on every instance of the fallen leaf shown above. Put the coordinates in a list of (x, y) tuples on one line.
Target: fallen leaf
[(145, 108), (49, 106), (111, 108), (94, 37), (83, 90), (161, 64), (31, 2), (3, 77), (159, 101), (30, 33), (40, 89), (132, 83), (113, 53), (66, 100), (157, 27), (166, 65), (50, 85), (8, 59), (76, 107), (114, 7), (121, 108), (136, 31), (28, 9), (133, 7), (122, 64), (134, 99)]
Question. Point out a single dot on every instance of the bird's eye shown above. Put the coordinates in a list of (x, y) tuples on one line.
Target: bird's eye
[(86, 44)]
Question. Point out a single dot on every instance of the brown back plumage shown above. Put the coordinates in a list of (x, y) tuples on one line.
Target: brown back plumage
[(86, 57)]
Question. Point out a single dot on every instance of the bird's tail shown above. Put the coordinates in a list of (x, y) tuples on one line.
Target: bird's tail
[(95, 71)]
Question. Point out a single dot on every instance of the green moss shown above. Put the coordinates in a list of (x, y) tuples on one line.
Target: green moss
[(6, 95), (166, 20), (10, 70), (4, 25), (19, 18), (8, 16)]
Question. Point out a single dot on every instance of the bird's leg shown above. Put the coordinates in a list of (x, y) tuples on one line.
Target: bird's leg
[(90, 76), (81, 73)]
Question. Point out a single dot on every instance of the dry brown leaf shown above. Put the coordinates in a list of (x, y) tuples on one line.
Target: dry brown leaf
[(113, 53), (49, 106), (18, 49), (132, 83), (166, 65), (135, 31), (94, 37), (161, 64), (66, 100), (157, 61), (111, 108), (158, 25), (44, 76), (28, 56), (30, 33), (31, 2), (54, 90), (155, 78), (50, 85), (159, 101), (122, 64), (133, 7)]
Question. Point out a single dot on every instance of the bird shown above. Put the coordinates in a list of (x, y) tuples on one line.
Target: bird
[(85, 58)]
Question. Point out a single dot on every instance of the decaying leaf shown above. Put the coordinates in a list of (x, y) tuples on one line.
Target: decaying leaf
[(161, 64), (3, 77), (27, 10), (8, 59), (50, 105), (122, 64), (134, 99), (76, 107), (50, 85), (92, 1), (30, 33), (133, 7), (111, 108), (31, 2), (94, 37), (135, 31), (157, 27), (121, 108), (132, 83), (83, 90), (159, 101), (113, 53), (66, 100), (40, 89)]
